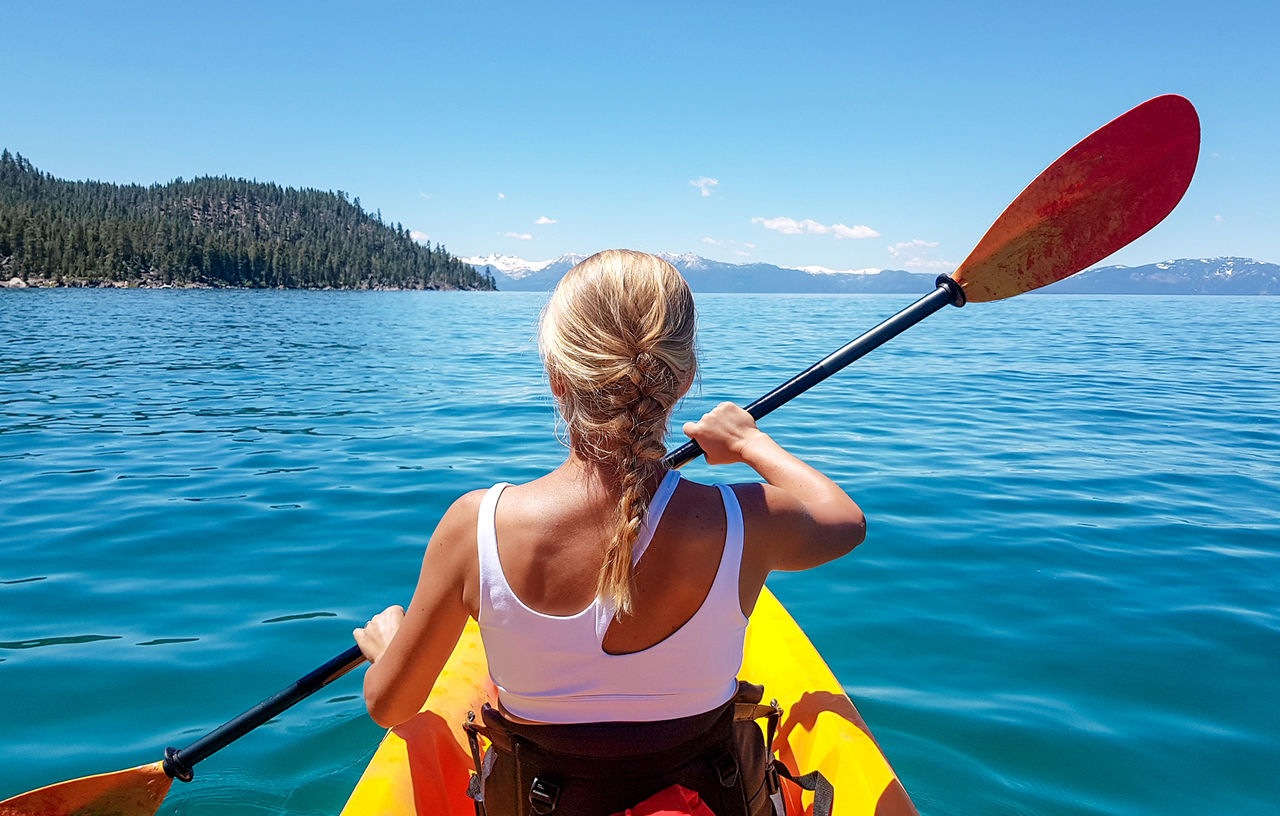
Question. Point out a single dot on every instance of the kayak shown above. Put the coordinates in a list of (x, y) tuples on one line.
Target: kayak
[(422, 767)]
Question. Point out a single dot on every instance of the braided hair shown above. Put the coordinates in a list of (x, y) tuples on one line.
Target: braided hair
[(617, 337)]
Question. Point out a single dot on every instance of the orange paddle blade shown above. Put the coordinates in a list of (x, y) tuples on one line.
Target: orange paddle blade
[(1115, 185), (135, 792)]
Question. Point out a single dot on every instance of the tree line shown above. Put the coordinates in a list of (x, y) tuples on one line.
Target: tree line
[(211, 231)]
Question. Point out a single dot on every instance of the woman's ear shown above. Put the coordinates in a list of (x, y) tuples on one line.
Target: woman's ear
[(684, 388), (557, 385)]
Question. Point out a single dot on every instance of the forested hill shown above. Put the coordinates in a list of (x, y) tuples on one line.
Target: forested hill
[(206, 232)]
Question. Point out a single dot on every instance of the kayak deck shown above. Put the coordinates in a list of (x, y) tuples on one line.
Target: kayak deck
[(422, 766)]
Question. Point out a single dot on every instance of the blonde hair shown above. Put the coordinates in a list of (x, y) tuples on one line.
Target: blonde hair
[(617, 340)]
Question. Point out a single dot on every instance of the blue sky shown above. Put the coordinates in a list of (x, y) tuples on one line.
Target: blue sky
[(899, 129)]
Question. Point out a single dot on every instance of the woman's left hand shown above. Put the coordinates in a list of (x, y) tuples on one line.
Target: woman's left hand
[(376, 635)]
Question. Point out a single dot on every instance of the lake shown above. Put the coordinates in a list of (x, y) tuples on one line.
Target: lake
[(1066, 603)]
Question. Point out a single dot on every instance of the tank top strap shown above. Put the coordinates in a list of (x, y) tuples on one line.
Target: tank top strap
[(491, 575), (724, 592), (653, 515)]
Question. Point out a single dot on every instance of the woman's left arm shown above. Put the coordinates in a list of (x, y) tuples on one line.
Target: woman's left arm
[(409, 648)]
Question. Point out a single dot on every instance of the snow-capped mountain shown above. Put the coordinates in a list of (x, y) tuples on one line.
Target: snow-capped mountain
[(1188, 276), (706, 275), (514, 274), (1204, 276), (516, 268)]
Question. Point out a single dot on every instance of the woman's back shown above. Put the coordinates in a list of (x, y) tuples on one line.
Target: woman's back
[(552, 533), (558, 654)]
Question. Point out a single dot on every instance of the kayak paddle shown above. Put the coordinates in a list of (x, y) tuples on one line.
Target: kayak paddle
[(1117, 184), (1106, 191)]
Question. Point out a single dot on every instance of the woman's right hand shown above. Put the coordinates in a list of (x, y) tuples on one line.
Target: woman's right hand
[(723, 433)]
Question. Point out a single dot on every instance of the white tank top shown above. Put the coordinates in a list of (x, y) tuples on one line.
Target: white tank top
[(553, 668)]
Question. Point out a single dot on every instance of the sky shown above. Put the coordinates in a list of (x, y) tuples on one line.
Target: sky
[(845, 135)]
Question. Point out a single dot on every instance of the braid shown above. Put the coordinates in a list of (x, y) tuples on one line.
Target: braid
[(618, 333), (637, 460)]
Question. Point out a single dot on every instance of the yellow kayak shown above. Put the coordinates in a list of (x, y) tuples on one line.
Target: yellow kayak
[(422, 767)]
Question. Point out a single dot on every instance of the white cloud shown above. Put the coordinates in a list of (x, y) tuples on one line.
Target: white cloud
[(742, 253), (424, 195), (914, 244), (928, 263), (1219, 219), (914, 254), (856, 231), (786, 226), (749, 246), (519, 236), (542, 219), (706, 185), (790, 226), (712, 241), (501, 196), (419, 236)]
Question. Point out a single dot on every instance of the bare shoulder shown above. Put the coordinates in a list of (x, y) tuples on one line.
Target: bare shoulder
[(464, 511), (451, 555), (453, 541)]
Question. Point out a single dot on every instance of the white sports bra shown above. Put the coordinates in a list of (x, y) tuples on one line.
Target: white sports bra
[(553, 668)]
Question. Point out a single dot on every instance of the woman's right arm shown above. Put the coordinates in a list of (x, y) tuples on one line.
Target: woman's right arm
[(799, 518), (408, 648)]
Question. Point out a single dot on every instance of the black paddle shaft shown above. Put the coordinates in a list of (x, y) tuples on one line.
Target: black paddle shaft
[(947, 293), (177, 764)]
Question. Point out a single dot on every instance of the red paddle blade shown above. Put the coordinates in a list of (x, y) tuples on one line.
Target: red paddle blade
[(135, 792), (1103, 193)]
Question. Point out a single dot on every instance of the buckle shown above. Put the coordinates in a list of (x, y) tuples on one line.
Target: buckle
[(544, 795), (727, 767)]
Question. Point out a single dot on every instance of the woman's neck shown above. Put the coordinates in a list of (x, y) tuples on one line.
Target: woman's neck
[(578, 469), (593, 477)]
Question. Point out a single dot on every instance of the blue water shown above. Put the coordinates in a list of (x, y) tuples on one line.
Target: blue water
[(1067, 602)]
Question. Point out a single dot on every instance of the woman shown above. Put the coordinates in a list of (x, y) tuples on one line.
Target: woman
[(611, 590)]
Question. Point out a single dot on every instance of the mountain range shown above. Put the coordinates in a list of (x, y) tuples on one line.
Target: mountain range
[(1188, 276)]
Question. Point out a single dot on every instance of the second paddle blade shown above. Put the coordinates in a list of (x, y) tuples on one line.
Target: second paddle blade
[(134, 792), (1119, 182)]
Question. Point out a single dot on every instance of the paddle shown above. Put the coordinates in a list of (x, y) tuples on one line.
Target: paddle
[(1117, 184), (1106, 191)]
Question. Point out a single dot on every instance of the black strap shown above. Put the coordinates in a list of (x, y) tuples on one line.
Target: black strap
[(473, 785), (774, 715), (823, 793)]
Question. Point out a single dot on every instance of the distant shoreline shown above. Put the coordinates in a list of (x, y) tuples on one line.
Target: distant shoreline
[(211, 287), (43, 283)]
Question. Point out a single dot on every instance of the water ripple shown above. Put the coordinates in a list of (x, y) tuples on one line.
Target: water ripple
[(36, 643)]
